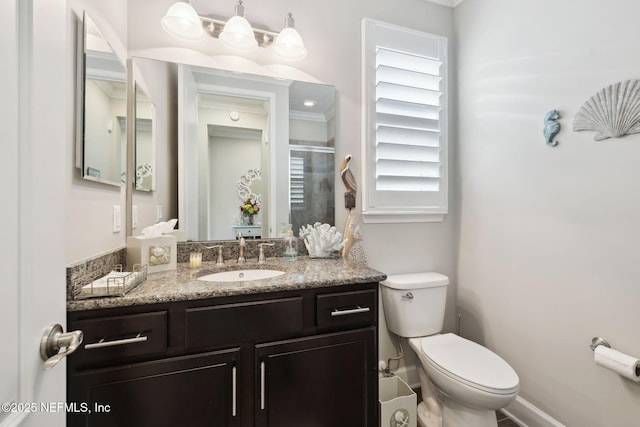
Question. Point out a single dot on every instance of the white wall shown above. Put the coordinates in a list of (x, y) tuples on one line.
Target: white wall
[(549, 236)]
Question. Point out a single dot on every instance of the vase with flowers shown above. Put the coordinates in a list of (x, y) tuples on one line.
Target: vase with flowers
[(249, 210)]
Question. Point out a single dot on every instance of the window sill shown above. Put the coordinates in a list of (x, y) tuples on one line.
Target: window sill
[(400, 217)]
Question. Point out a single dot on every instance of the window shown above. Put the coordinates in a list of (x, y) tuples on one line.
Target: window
[(405, 116)]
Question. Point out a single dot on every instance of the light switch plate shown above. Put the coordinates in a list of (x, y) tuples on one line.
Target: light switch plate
[(117, 219), (134, 217)]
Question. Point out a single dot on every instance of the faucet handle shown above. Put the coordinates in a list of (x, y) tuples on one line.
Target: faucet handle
[(261, 258), (220, 260)]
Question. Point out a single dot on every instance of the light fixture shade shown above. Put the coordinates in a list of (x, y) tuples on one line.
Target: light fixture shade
[(237, 34), (183, 22), (289, 44)]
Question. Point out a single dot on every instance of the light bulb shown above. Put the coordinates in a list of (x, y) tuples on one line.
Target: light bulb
[(289, 44), (183, 22), (237, 32)]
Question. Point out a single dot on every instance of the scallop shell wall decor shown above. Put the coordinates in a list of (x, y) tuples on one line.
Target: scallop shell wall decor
[(612, 112)]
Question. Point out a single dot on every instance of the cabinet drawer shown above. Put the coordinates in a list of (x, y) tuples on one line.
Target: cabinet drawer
[(346, 309), (116, 338), (229, 324)]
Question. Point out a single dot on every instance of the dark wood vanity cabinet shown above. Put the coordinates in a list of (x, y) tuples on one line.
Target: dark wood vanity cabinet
[(285, 359)]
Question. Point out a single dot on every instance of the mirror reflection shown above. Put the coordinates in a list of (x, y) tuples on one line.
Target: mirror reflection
[(104, 93), (145, 150), (251, 137)]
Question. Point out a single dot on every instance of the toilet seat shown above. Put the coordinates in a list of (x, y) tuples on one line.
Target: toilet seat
[(469, 363)]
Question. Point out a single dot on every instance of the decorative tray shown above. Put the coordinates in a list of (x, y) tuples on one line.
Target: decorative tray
[(115, 284)]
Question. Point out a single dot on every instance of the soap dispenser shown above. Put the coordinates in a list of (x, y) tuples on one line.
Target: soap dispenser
[(290, 246)]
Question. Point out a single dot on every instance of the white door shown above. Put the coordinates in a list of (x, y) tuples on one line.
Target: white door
[(34, 111)]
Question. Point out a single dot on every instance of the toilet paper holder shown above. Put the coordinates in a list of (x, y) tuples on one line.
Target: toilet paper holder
[(597, 341)]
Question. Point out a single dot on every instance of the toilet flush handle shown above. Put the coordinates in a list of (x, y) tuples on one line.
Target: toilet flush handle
[(407, 296)]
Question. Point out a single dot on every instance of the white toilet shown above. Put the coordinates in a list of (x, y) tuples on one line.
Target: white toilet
[(462, 383)]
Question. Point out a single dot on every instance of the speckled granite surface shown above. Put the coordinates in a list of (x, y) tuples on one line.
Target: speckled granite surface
[(183, 284)]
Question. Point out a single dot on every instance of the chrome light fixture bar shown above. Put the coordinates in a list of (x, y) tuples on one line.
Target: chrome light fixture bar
[(235, 33)]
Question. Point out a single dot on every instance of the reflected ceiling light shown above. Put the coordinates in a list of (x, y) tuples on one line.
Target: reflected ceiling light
[(237, 33), (183, 22), (309, 103), (289, 44)]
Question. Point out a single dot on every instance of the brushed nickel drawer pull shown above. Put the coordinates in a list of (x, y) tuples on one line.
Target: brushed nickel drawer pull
[(234, 392), (337, 312), (102, 343), (262, 385)]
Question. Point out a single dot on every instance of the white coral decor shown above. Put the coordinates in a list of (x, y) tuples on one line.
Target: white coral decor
[(321, 240)]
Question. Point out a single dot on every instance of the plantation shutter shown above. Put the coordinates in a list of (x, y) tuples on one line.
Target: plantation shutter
[(405, 147), (296, 182)]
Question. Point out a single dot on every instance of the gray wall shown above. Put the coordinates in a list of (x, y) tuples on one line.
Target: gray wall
[(549, 236)]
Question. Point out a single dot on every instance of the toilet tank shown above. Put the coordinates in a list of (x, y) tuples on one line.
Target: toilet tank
[(414, 303)]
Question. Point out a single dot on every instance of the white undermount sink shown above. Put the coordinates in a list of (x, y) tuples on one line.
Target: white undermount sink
[(241, 275)]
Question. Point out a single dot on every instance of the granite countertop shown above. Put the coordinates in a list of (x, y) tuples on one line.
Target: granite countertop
[(182, 284)]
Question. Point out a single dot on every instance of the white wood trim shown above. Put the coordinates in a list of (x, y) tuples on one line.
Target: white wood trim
[(447, 3), (526, 414), (400, 217)]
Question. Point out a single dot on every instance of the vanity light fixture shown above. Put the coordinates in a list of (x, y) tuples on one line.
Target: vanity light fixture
[(182, 21), (236, 33), (289, 44)]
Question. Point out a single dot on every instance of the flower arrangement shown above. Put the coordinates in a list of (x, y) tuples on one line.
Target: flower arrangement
[(249, 210)]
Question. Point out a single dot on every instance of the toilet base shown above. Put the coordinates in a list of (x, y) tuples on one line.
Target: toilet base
[(427, 418), (456, 415), (438, 410)]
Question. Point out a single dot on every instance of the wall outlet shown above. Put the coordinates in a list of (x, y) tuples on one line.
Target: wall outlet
[(117, 219), (158, 213)]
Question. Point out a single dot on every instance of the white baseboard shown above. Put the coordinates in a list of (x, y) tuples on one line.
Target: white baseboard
[(527, 415)]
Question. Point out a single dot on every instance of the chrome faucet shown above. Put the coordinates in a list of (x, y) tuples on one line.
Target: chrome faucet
[(220, 260), (241, 259), (261, 257)]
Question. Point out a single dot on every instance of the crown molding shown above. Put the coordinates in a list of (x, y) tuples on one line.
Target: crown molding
[(447, 3)]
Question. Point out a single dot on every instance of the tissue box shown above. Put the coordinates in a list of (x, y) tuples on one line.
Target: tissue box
[(157, 253)]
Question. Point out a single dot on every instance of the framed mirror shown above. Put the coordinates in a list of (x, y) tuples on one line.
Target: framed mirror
[(231, 123), (102, 88)]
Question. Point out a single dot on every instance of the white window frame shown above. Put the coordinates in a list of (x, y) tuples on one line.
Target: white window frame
[(400, 206)]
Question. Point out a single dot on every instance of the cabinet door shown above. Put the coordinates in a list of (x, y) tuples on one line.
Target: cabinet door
[(321, 381), (181, 391)]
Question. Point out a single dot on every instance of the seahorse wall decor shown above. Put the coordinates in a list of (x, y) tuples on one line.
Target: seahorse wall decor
[(613, 112), (551, 127)]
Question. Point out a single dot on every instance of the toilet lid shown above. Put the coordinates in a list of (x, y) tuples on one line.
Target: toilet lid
[(470, 363)]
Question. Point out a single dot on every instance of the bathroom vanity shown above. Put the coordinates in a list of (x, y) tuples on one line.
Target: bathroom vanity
[(299, 349)]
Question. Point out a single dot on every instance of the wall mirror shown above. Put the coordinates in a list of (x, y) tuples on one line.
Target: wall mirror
[(231, 123), (102, 86), (145, 147)]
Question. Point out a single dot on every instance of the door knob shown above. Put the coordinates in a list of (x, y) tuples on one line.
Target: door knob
[(53, 340)]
